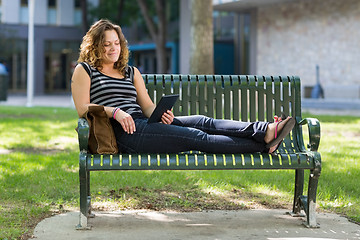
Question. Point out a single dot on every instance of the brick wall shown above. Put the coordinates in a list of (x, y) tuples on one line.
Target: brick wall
[(294, 37)]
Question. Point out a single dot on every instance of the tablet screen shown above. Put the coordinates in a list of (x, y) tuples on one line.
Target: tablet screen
[(166, 103)]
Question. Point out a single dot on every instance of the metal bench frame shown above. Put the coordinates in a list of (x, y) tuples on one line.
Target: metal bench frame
[(237, 97)]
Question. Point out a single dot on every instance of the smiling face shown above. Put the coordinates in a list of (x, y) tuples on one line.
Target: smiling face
[(99, 46), (112, 47)]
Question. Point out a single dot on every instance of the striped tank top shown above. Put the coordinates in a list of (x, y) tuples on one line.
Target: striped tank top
[(113, 92)]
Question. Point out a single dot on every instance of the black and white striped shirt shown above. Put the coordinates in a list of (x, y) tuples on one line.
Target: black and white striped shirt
[(113, 92)]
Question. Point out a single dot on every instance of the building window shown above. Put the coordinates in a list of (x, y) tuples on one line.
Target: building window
[(77, 13), (52, 13), (60, 61), (223, 25), (0, 10), (14, 52), (24, 12)]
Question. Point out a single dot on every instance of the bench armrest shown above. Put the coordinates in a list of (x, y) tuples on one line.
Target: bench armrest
[(83, 134), (314, 132)]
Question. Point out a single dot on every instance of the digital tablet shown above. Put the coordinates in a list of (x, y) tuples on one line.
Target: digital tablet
[(166, 103)]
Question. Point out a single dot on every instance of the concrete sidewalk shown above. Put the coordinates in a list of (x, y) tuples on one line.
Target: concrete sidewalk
[(43, 101), (243, 224), (331, 106)]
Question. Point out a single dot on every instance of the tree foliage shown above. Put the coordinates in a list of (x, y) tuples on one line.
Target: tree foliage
[(154, 14), (157, 30), (120, 12)]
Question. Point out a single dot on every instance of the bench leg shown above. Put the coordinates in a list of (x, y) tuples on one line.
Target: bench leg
[(90, 214), (299, 189), (85, 199), (85, 202), (311, 201), (307, 203)]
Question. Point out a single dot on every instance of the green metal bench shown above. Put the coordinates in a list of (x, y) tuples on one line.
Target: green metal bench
[(246, 98)]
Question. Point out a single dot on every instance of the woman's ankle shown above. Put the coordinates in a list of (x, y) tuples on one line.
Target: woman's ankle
[(270, 133)]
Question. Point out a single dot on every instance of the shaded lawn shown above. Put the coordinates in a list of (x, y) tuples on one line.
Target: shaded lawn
[(39, 164)]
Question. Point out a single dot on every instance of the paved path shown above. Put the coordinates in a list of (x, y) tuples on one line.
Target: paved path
[(313, 106), (331, 106), (244, 224), (44, 100)]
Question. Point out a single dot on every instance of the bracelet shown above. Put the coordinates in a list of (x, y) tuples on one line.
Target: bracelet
[(115, 112), (112, 114)]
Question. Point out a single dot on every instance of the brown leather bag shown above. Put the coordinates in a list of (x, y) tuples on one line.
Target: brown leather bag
[(101, 136)]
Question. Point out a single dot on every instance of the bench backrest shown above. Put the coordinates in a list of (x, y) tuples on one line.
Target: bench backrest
[(237, 97)]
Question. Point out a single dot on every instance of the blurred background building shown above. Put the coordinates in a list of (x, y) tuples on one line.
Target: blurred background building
[(291, 37), (265, 37), (57, 37)]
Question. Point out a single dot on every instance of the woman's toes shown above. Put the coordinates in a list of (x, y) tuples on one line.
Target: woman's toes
[(272, 149), (270, 132)]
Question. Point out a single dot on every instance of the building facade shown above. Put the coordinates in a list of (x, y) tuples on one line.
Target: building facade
[(292, 37), (232, 49), (58, 35), (57, 39)]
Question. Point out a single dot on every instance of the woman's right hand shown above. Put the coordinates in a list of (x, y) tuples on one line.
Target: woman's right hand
[(126, 121)]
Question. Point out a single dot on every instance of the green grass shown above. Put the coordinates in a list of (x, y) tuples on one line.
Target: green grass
[(39, 164)]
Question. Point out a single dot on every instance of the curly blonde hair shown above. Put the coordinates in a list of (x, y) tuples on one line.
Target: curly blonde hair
[(92, 46)]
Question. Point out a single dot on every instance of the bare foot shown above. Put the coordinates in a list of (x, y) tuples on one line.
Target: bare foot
[(272, 138), (273, 149), (270, 131)]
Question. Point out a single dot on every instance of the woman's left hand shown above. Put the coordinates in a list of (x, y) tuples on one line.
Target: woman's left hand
[(167, 117)]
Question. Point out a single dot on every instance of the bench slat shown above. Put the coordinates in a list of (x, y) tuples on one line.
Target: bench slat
[(252, 98), (185, 97), (236, 97), (196, 161), (244, 98), (193, 95), (276, 95), (227, 97), (202, 96), (210, 98), (261, 98), (286, 97), (269, 99), (176, 90)]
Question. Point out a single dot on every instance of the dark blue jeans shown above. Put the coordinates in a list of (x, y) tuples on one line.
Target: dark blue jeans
[(192, 133)]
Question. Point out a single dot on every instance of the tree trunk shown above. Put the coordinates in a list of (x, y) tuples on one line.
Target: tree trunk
[(161, 38), (202, 44), (157, 32), (120, 11), (85, 24)]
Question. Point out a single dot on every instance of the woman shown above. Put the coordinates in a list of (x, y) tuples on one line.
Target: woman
[(102, 78)]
